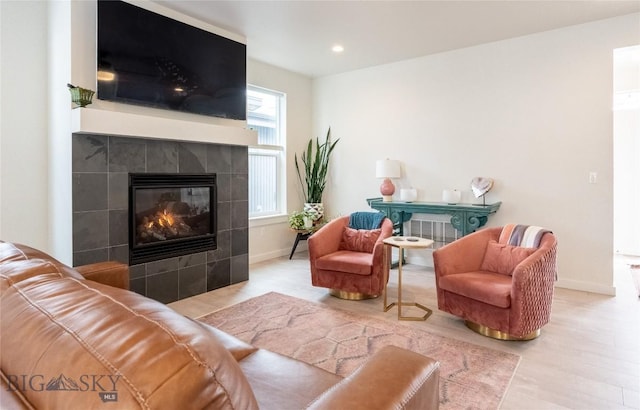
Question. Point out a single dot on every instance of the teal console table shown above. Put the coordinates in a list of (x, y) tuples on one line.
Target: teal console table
[(466, 218)]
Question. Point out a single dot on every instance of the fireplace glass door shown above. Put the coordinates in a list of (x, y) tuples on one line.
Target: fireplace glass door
[(171, 215)]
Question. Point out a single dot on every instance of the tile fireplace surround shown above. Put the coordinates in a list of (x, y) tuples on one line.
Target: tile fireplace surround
[(100, 169)]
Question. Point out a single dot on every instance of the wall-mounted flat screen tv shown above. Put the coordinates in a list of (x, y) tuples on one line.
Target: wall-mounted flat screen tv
[(148, 59)]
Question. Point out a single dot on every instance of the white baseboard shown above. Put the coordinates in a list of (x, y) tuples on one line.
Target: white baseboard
[(586, 287), (273, 254)]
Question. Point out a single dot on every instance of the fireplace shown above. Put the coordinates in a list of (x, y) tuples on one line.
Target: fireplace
[(171, 215)]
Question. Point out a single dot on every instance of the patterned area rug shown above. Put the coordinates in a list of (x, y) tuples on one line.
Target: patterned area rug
[(471, 376)]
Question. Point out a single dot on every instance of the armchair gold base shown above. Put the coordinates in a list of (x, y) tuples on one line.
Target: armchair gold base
[(497, 334), (341, 294)]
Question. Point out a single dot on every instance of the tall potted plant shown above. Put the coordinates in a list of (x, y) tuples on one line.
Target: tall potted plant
[(316, 165)]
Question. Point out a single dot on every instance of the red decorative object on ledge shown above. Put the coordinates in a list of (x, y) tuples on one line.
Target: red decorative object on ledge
[(387, 169)]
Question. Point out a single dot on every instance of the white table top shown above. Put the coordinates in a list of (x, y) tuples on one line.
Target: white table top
[(408, 242)]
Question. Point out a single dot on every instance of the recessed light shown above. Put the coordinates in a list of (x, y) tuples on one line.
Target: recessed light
[(337, 48)]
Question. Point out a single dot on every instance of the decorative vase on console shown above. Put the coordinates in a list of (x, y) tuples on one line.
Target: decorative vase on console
[(387, 169)]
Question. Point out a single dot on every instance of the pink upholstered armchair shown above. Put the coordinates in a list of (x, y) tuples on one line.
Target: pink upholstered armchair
[(349, 261), (499, 280)]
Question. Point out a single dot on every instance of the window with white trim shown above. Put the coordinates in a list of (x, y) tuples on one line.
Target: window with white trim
[(266, 115)]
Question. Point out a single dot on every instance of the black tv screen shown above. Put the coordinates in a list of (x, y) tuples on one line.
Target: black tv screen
[(148, 59)]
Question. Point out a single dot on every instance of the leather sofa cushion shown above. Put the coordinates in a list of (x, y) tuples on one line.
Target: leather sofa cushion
[(488, 287), (16, 271), (503, 258), (15, 252), (10, 252), (110, 273), (359, 240), (297, 383), (81, 328), (11, 399), (386, 373), (238, 349), (358, 263), (17, 261)]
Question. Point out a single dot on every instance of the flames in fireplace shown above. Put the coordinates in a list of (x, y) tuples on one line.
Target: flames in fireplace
[(162, 226), (172, 220)]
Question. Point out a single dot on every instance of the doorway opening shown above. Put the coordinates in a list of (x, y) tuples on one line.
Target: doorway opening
[(626, 167)]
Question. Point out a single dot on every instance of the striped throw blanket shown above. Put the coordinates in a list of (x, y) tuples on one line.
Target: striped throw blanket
[(526, 236)]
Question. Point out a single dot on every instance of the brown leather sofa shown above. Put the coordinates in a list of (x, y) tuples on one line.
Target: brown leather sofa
[(70, 341)]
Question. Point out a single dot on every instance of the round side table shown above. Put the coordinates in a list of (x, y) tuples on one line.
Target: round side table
[(402, 243)]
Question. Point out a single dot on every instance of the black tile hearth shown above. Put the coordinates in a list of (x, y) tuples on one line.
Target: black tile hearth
[(218, 274), (90, 230), (89, 154), (238, 212), (239, 241), (193, 280), (224, 216), (127, 155), (138, 285), (239, 268), (163, 287), (100, 172), (162, 157), (119, 253), (91, 256), (161, 266), (224, 247), (219, 160), (192, 158), (118, 190), (118, 227), (90, 191), (192, 260)]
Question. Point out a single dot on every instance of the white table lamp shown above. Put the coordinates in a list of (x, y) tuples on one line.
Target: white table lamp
[(387, 169)]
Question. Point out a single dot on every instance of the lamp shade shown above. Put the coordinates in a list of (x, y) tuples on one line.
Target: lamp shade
[(387, 168)]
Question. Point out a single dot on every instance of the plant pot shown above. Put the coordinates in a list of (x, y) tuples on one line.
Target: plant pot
[(308, 222), (314, 210)]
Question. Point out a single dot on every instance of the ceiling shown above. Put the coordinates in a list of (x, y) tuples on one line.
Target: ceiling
[(298, 35)]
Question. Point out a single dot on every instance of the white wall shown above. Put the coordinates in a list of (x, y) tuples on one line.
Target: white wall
[(271, 237), (533, 112), (23, 130)]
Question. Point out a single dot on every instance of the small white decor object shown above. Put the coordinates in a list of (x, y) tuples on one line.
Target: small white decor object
[(308, 222), (408, 195), (481, 186), (451, 196)]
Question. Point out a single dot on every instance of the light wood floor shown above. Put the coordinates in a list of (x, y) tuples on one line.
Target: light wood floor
[(588, 356)]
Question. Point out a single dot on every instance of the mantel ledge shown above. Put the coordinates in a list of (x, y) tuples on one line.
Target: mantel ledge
[(117, 123)]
